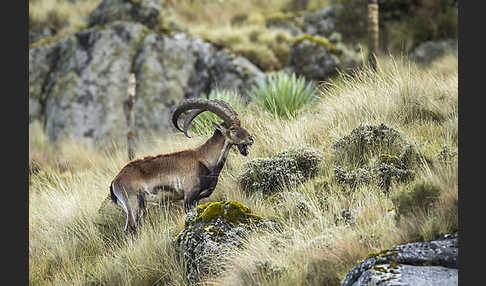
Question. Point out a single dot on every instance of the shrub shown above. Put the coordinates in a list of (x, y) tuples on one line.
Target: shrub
[(284, 96), (286, 169), (422, 197)]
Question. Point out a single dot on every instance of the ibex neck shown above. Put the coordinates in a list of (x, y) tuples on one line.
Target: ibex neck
[(214, 152)]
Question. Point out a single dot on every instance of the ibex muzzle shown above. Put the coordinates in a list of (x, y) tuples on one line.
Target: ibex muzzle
[(189, 174)]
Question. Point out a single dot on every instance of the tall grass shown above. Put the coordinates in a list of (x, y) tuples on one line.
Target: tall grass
[(72, 242)]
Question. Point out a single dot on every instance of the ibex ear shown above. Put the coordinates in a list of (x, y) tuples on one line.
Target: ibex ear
[(219, 127)]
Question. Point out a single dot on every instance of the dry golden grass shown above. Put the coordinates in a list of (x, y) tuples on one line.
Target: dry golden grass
[(71, 243)]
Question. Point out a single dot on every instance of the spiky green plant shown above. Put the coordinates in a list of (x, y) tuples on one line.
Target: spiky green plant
[(283, 95)]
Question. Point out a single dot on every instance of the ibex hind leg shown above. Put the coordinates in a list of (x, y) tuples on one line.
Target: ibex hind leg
[(132, 203), (136, 209)]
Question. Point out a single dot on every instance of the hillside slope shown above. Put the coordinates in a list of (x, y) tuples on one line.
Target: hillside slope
[(71, 242)]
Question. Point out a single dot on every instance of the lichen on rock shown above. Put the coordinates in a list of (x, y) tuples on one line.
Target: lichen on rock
[(415, 263), (212, 231)]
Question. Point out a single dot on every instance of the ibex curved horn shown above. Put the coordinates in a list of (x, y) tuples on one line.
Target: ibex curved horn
[(218, 107)]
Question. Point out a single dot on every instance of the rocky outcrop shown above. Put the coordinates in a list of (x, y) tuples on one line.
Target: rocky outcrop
[(319, 58), (416, 263), (286, 169), (322, 22), (211, 233), (140, 11), (429, 51), (78, 83), (87, 85)]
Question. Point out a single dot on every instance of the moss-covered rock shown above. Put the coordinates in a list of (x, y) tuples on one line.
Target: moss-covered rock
[(212, 231), (286, 169)]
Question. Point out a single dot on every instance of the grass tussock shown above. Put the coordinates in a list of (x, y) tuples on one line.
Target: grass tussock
[(72, 242)]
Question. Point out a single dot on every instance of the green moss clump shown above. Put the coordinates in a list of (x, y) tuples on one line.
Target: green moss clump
[(230, 210), (316, 39)]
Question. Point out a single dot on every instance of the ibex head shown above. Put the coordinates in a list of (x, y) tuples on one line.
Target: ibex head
[(230, 128)]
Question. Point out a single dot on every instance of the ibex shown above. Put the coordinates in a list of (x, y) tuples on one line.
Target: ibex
[(190, 174)]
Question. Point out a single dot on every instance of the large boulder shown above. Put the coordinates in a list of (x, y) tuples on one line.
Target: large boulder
[(212, 231), (142, 11), (322, 22), (86, 88), (78, 84), (416, 263), (163, 67), (42, 60), (319, 58)]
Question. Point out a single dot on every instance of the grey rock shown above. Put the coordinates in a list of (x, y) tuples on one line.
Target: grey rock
[(317, 62), (87, 88), (416, 263), (145, 12), (429, 51), (220, 70), (37, 34), (314, 61), (322, 22), (162, 68), (42, 60), (78, 84)]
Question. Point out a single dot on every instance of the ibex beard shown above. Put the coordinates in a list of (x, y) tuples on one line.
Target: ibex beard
[(188, 175)]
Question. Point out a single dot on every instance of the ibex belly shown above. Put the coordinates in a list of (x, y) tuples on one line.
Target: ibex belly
[(160, 193)]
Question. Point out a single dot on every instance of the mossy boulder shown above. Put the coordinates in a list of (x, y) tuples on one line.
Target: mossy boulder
[(212, 232), (288, 168), (416, 263)]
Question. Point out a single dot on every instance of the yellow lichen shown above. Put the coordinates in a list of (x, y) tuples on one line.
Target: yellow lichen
[(386, 157), (316, 39), (230, 210)]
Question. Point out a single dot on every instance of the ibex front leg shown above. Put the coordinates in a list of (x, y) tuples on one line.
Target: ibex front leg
[(191, 198)]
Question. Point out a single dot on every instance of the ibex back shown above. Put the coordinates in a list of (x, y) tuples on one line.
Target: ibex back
[(189, 174)]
